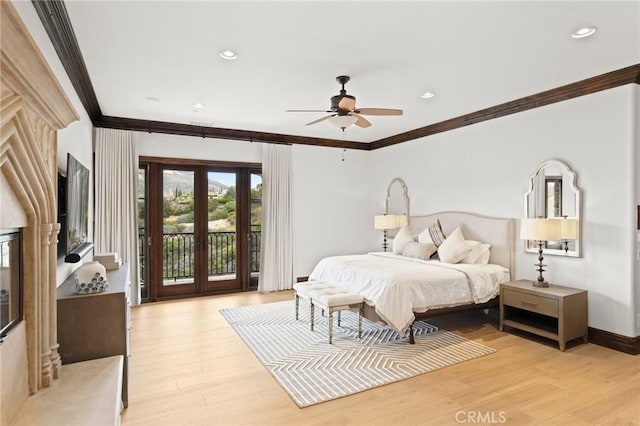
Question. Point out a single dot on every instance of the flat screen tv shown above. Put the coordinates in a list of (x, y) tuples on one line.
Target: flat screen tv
[(77, 214)]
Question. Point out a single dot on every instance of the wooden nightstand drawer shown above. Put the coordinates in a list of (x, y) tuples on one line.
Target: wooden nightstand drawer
[(531, 302)]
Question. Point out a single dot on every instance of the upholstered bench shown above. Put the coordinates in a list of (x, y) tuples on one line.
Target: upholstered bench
[(331, 298), (303, 289)]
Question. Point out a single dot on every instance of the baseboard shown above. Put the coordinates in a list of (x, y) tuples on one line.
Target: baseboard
[(302, 279), (630, 345)]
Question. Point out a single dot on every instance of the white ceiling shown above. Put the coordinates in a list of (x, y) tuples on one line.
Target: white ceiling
[(472, 54)]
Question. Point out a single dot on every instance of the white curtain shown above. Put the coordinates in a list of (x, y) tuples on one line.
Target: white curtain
[(116, 212), (276, 265)]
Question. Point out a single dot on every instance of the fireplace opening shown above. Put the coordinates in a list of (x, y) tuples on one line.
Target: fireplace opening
[(11, 291)]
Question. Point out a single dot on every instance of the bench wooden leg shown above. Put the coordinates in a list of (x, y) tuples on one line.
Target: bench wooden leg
[(330, 312), (360, 314), (311, 308), (297, 303), (339, 316)]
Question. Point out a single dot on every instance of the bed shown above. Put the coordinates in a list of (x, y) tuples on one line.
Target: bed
[(399, 290)]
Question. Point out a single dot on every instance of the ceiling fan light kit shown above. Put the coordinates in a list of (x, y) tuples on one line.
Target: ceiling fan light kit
[(344, 112), (343, 121)]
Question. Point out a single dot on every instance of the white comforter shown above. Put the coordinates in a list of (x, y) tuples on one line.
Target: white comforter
[(398, 286)]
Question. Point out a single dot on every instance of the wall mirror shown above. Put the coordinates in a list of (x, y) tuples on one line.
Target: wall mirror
[(553, 192), (397, 200)]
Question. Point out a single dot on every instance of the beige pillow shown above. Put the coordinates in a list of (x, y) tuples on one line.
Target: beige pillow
[(401, 239), (419, 251), (454, 248), (479, 252)]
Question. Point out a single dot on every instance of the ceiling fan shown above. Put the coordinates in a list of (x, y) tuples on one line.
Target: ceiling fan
[(343, 111)]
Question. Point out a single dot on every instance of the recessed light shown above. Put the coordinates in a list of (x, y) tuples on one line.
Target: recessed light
[(584, 32), (197, 105), (229, 55), (152, 98), (427, 95)]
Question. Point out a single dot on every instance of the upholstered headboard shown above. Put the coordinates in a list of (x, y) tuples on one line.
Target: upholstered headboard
[(498, 232)]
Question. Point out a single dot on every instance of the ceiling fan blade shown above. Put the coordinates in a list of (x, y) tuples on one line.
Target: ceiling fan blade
[(347, 103), (378, 111), (307, 110), (361, 122), (320, 119)]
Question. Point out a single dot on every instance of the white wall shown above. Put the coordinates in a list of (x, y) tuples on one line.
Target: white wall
[(174, 146), (331, 196), (485, 168), (331, 204), (77, 137)]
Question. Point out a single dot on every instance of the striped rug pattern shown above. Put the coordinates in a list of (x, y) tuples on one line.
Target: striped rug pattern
[(312, 371)]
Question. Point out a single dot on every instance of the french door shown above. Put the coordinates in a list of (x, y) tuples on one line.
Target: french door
[(203, 228)]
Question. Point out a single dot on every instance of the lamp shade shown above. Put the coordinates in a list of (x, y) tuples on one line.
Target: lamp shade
[(540, 229), (385, 221), (343, 121), (569, 228), (401, 220)]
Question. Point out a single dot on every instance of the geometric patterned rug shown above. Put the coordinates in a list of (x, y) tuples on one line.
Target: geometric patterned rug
[(311, 370)]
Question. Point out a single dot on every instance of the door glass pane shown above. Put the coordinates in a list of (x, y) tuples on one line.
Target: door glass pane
[(256, 226), (221, 226), (142, 228), (178, 246)]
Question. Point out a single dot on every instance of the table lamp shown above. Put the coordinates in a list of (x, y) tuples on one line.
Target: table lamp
[(568, 231), (386, 222), (540, 230)]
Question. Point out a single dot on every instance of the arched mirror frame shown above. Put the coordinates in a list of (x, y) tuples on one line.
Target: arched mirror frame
[(529, 246), (405, 192)]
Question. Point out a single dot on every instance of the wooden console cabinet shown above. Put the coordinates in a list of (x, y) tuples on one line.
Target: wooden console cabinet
[(555, 312), (95, 325)]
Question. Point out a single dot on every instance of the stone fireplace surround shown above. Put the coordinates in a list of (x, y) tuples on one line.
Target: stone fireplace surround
[(33, 107)]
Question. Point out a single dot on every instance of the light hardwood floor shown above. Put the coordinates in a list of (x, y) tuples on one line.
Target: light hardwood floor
[(188, 367)]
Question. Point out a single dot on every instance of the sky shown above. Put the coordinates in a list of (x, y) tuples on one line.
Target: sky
[(229, 179)]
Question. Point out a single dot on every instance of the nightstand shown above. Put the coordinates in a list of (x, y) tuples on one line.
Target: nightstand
[(555, 312)]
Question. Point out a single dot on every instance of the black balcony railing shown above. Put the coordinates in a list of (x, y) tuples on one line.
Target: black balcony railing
[(178, 250)]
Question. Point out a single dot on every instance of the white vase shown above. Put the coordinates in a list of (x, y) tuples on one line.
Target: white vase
[(91, 277)]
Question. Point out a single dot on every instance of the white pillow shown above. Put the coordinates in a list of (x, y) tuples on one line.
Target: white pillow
[(401, 239), (479, 251), (425, 237), (454, 248), (419, 251), (484, 257)]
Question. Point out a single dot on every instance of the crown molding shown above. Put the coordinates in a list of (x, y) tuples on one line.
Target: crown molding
[(627, 75), (151, 126), (55, 20)]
